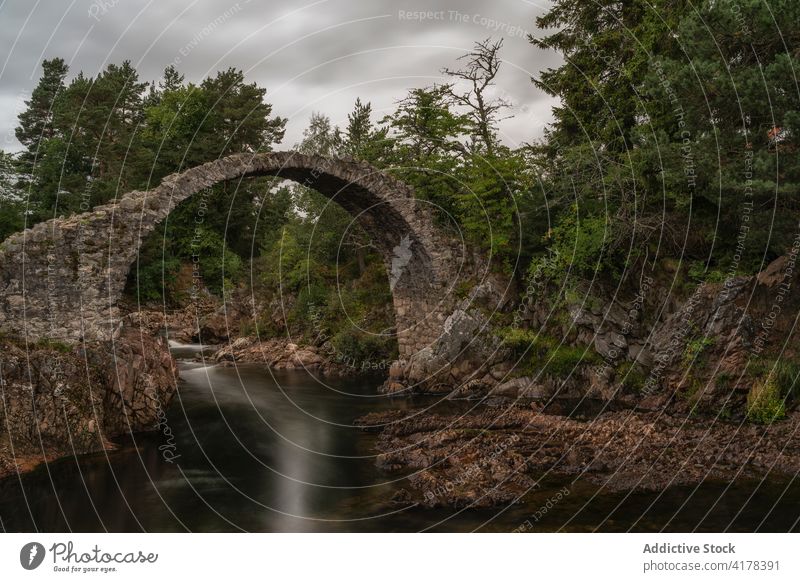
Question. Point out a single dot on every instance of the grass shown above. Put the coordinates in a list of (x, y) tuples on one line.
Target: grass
[(539, 352), (786, 379), (692, 392), (723, 381), (50, 344), (765, 404), (769, 398), (463, 289)]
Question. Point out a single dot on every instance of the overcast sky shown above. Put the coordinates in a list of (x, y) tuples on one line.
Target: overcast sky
[(310, 56)]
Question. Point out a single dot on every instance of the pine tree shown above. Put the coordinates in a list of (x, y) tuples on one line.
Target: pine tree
[(36, 122), (238, 117), (607, 47), (359, 129), (172, 80)]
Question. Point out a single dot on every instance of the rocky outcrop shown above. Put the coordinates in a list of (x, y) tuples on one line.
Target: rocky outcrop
[(496, 455), (60, 400), (179, 325), (653, 350), (468, 357), (710, 348), (281, 354)]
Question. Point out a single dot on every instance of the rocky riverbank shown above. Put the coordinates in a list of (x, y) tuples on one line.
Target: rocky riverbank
[(281, 354), (60, 400), (661, 426), (223, 329), (498, 455)]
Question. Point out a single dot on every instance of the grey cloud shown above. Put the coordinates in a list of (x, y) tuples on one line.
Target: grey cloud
[(315, 56)]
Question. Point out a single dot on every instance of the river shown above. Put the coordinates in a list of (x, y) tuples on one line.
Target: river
[(257, 450)]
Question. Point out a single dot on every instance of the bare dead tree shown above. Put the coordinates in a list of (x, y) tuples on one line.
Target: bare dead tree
[(482, 65)]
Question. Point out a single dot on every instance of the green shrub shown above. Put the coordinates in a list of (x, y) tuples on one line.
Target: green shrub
[(153, 279), (518, 339), (362, 350), (580, 244), (695, 347), (765, 404), (786, 379), (699, 273)]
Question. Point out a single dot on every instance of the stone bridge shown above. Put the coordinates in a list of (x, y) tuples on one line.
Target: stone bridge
[(63, 279)]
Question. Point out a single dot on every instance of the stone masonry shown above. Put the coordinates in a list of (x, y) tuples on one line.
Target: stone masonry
[(63, 279)]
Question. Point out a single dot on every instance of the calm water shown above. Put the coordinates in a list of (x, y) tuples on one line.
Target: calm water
[(262, 451)]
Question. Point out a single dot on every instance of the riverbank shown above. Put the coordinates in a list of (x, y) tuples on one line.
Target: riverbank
[(61, 400), (498, 455), (490, 454), (495, 454), (282, 354)]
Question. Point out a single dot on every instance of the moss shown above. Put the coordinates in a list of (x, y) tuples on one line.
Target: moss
[(564, 359), (695, 348), (55, 345), (631, 376), (543, 353), (519, 340)]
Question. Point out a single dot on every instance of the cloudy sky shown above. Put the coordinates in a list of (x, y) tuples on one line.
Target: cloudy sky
[(309, 55)]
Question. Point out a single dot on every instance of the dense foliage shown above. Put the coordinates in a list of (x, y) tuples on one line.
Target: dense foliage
[(675, 133), (674, 138)]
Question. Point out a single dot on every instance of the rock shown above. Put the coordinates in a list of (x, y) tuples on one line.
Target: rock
[(214, 329), (774, 273), (490, 457), (281, 354), (610, 345), (64, 412)]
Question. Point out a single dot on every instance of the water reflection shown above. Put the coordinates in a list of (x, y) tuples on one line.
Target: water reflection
[(263, 451)]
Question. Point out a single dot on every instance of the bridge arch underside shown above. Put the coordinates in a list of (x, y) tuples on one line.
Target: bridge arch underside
[(63, 279)]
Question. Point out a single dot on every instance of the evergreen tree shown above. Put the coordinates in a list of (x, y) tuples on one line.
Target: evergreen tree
[(238, 117), (359, 130), (664, 132), (36, 122), (171, 80)]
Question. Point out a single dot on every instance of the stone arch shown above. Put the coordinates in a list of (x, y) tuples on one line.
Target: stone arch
[(62, 279)]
